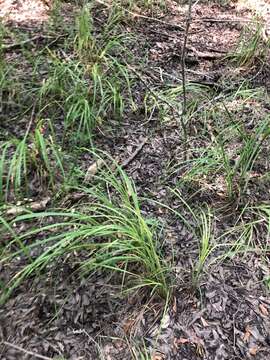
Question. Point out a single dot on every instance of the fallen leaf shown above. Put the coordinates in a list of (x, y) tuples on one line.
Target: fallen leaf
[(39, 205), (93, 169), (157, 357), (15, 210), (174, 308), (247, 334), (34, 206), (204, 322), (253, 351), (127, 327), (165, 322), (182, 341), (263, 310)]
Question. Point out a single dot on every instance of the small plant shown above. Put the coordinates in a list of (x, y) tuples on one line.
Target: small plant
[(199, 224), (13, 168), (167, 102), (205, 246), (148, 5), (84, 41), (19, 159), (267, 282), (202, 231), (238, 170), (250, 46), (86, 92), (85, 110), (230, 165)]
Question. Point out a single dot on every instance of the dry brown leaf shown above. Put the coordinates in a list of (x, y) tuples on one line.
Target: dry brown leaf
[(247, 334), (253, 350), (157, 357), (263, 310), (128, 324), (174, 308), (34, 206), (93, 169), (204, 322)]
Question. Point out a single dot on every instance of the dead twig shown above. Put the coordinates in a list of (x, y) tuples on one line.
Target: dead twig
[(104, 3), (97, 165), (26, 351), (215, 20), (126, 162), (31, 40), (205, 54), (31, 119), (22, 43), (183, 73)]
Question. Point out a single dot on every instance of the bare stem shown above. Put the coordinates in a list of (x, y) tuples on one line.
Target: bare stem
[(183, 67)]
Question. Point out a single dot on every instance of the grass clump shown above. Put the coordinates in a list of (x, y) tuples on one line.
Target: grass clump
[(251, 46), (22, 159), (111, 229), (230, 165), (89, 88), (167, 104), (239, 169)]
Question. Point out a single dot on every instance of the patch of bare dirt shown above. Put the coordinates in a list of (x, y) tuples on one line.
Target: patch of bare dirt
[(24, 11)]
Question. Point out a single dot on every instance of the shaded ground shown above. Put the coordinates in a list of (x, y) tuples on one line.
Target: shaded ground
[(227, 316)]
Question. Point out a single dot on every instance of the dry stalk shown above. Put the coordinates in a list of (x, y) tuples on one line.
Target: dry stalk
[(183, 73)]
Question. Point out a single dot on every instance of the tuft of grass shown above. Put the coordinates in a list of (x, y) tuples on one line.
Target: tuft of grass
[(84, 41), (164, 101), (199, 223), (110, 228), (251, 46), (221, 159), (152, 6), (21, 159), (205, 245), (239, 169), (90, 87)]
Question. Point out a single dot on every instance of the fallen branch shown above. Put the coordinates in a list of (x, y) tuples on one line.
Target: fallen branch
[(97, 165), (183, 73), (126, 162), (205, 54), (215, 20), (26, 351), (104, 3), (30, 40), (22, 43)]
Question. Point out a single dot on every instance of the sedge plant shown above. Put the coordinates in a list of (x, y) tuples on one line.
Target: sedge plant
[(110, 228), (20, 158), (250, 45)]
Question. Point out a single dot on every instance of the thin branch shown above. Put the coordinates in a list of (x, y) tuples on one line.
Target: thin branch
[(183, 72), (104, 3), (26, 351), (31, 40), (127, 161), (31, 119), (22, 43)]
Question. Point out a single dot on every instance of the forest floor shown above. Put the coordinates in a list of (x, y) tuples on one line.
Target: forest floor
[(200, 180)]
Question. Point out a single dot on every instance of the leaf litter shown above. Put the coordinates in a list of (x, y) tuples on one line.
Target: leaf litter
[(55, 316)]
